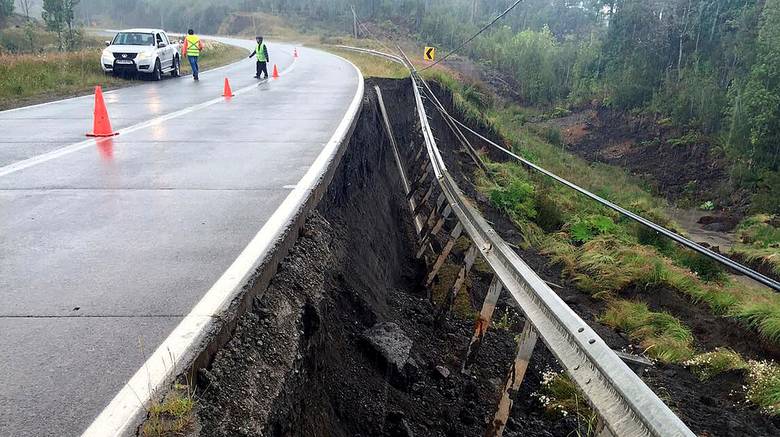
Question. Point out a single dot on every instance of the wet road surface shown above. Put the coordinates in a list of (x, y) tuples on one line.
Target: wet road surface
[(105, 245)]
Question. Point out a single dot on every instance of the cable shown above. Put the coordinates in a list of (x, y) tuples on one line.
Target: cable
[(728, 262), (500, 16)]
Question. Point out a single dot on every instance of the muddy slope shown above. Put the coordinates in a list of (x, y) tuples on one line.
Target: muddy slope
[(300, 364), (684, 170), (714, 408)]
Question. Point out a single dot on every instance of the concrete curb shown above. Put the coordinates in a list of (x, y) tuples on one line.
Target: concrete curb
[(210, 324)]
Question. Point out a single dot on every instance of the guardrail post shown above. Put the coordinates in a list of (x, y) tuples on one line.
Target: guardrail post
[(525, 348), (449, 300), (483, 322)]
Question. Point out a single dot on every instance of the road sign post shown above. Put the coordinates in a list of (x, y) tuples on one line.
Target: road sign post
[(429, 54)]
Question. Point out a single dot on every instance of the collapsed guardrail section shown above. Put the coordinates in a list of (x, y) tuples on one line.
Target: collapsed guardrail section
[(625, 405)]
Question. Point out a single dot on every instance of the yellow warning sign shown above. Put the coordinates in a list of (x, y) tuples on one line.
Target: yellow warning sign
[(429, 54)]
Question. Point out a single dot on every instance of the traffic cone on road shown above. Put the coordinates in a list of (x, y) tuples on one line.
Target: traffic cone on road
[(276, 72), (295, 52), (228, 92), (101, 125)]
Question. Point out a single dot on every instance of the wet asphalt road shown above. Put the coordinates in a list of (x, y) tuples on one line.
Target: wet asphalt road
[(105, 246)]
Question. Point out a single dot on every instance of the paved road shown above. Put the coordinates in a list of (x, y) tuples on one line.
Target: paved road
[(105, 247)]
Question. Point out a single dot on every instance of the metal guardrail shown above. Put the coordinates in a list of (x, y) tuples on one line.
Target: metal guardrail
[(625, 404), (724, 260)]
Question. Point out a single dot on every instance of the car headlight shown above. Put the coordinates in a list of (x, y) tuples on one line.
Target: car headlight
[(144, 55), (107, 53)]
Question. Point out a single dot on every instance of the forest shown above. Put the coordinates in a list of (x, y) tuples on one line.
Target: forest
[(711, 67)]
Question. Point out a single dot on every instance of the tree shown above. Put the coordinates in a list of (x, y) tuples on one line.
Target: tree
[(6, 9), (59, 18), (762, 93), (27, 5), (54, 16)]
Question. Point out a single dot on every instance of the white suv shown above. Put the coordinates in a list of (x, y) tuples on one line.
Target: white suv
[(146, 51)]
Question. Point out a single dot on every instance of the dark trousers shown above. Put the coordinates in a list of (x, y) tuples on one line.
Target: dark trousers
[(262, 68)]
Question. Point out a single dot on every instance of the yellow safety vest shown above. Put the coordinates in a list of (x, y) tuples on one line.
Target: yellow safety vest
[(192, 45), (260, 53)]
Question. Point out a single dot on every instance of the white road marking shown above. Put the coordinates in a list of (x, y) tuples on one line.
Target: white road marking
[(35, 160), (181, 346)]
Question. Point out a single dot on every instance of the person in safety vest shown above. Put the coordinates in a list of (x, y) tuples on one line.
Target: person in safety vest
[(261, 52), (191, 49)]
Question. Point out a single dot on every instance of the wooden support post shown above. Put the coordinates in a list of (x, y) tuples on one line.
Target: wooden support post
[(454, 235), (483, 322), (424, 200), (525, 348), (452, 294), (416, 184), (429, 232)]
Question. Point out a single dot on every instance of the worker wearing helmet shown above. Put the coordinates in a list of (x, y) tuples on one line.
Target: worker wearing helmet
[(191, 49), (261, 53)]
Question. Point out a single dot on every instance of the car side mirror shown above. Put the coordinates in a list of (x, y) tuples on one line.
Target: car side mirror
[(161, 45), (108, 43)]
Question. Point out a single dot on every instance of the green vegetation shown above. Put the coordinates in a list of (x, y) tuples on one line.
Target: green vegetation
[(603, 252), (661, 335), (172, 416), (759, 241), (710, 364), (764, 385), (30, 78), (560, 396)]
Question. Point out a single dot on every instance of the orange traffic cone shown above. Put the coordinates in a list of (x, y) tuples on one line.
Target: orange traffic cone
[(101, 126), (295, 52), (276, 72), (228, 92)]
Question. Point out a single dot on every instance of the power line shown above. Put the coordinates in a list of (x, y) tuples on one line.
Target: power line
[(500, 16)]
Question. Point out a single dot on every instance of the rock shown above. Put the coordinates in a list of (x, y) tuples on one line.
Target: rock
[(390, 342), (443, 372)]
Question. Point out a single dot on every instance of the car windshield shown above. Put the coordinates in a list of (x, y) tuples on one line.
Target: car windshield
[(133, 39)]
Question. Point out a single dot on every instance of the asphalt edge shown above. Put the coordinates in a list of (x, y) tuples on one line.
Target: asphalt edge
[(207, 333)]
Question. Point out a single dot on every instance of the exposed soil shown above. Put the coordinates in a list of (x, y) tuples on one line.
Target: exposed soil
[(299, 364), (683, 171), (712, 408)]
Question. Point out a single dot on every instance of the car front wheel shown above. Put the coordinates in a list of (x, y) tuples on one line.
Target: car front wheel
[(176, 72), (157, 72)]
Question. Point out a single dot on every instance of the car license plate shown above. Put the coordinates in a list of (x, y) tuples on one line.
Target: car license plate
[(124, 61)]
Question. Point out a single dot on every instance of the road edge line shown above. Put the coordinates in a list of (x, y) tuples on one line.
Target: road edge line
[(210, 323)]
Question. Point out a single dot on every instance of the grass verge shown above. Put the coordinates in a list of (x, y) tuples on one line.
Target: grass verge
[(29, 78), (371, 66)]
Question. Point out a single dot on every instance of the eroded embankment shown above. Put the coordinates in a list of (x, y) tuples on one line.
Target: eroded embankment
[(301, 362), (714, 407)]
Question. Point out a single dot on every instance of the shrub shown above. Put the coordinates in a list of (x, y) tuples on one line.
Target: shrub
[(516, 198)]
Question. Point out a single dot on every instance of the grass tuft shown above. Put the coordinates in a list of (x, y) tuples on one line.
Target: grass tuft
[(662, 335), (710, 364), (172, 416)]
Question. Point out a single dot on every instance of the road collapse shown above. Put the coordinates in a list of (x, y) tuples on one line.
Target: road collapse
[(345, 341)]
